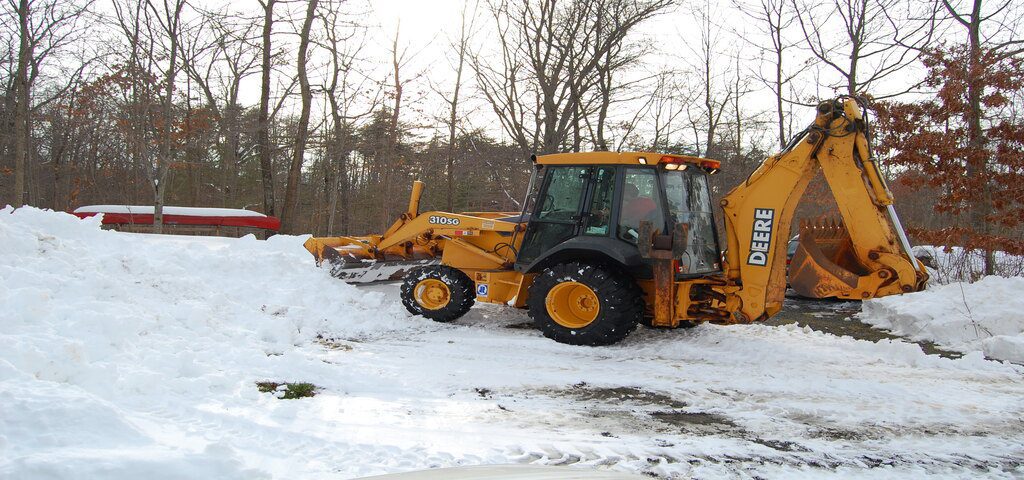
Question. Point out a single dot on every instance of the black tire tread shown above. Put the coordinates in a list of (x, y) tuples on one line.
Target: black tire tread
[(460, 285), (622, 304)]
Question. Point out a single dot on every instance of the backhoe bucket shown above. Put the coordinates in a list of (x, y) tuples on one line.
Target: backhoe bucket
[(824, 264)]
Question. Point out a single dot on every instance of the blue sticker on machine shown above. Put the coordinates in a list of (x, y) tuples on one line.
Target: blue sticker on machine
[(481, 290)]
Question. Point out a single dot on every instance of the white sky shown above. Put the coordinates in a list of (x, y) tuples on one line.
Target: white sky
[(427, 27)]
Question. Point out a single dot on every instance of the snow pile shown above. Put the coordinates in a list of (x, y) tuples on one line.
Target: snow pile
[(985, 316), (103, 330)]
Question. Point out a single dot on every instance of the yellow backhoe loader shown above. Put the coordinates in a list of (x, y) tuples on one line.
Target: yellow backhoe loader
[(606, 240)]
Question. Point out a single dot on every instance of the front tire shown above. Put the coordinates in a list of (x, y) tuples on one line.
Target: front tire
[(583, 304), (438, 292)]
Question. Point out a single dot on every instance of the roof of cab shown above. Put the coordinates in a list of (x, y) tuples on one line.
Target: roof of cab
[(615, 158)]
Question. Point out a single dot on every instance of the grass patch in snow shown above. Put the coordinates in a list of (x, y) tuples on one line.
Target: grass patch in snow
[(288, 391), (334, 344)]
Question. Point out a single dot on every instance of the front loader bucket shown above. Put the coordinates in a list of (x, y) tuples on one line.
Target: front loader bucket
[(350, 259), (366, 271), (825, 264)]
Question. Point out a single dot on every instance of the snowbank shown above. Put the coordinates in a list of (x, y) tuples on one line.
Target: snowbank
[(985, 316), (97, 326)]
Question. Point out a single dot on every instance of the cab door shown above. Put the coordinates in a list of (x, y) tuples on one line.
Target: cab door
[(558, 213)]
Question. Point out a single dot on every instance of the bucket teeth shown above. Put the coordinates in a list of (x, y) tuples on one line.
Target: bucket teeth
[(824, 264), (824, 229)]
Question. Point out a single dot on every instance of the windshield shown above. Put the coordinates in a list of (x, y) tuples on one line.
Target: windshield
[(689, 201)]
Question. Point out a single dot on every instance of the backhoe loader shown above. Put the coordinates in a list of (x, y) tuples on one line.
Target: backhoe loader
[(607, 240)]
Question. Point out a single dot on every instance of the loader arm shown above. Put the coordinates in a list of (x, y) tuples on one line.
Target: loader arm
[(874, 261), (481, 240)]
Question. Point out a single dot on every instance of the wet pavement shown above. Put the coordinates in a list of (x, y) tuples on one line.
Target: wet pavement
[(840, 318), (836, 317)]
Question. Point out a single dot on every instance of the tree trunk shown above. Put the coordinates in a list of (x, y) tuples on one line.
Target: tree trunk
[(291, 193), (342, 190), (59, 138), (605, 89), (262, 121), (21, 109), (450, 157), (976, 164), (778, 90), (339, 185), (391, 147), (163, 164), (228, 152), (159, 190)]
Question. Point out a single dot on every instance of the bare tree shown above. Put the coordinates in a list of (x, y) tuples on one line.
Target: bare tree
[(133, 22), (291, 193), (775, 18), (263, 120), (45, 27), (168, 17), (740, 86), (218, 62), (711, 75), (866, 41), (344, 43), (21, 101), (549, 54), (152, 34), (618, 56), (667, 104), (459, 47), (400, 57)]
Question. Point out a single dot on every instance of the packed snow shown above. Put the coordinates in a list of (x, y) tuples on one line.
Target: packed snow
[(169, 210), (986, 316), (137, 356)]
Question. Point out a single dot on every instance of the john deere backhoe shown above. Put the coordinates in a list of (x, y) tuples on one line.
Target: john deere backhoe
[(606, 240)]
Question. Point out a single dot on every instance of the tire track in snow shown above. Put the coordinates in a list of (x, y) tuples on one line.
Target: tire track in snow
[(797, 398)]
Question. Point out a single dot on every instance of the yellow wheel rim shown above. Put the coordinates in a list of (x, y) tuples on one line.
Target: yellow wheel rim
[(432, 294), (572, 304)]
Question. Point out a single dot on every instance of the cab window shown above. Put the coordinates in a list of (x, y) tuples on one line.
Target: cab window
[(557, 212), (641, 201), (689, 202), (601, 202)]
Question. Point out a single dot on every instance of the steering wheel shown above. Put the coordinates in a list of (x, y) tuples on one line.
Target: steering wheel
[(547, 203), (629, 234)]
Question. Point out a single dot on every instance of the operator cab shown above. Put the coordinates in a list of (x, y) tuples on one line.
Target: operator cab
[(590, 205)]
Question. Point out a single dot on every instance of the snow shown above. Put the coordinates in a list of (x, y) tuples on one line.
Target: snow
[(136, 356), (169, 210), (986, 316)]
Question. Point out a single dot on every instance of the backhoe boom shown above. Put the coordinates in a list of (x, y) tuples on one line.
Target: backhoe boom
[(873, 260)]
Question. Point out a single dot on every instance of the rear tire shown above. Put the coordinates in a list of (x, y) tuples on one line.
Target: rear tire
[(562, 304), (438, 292)]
